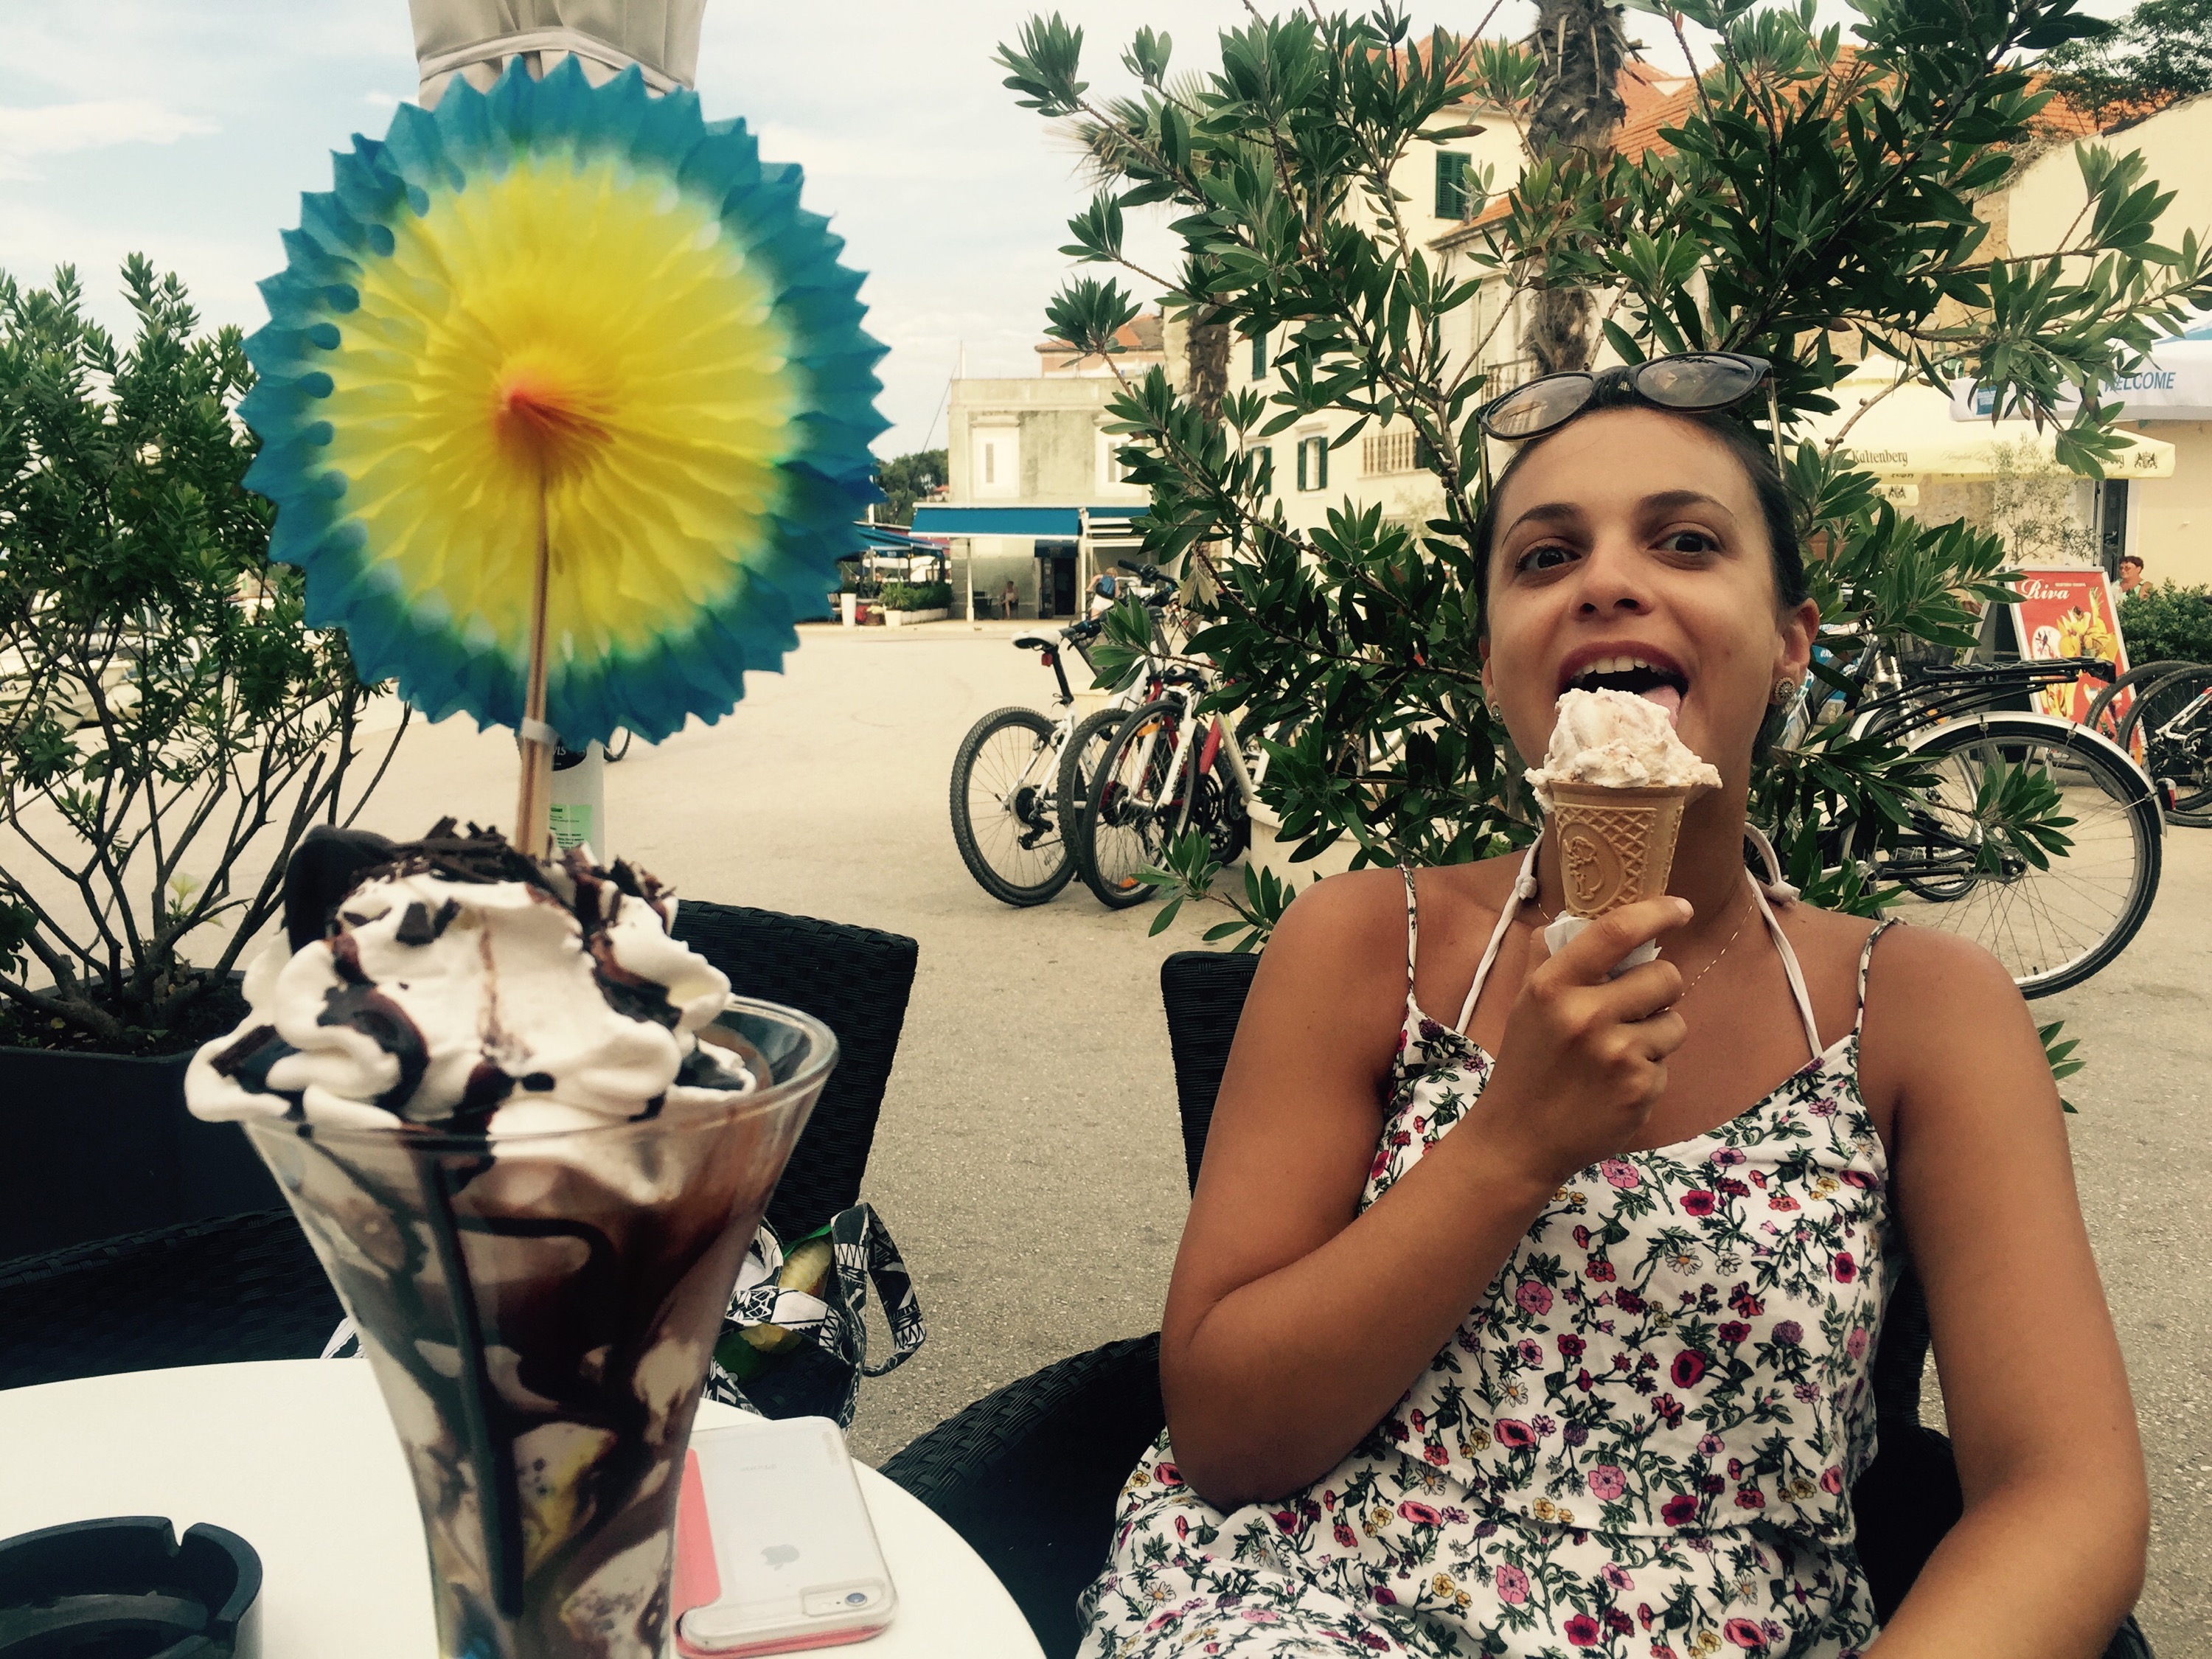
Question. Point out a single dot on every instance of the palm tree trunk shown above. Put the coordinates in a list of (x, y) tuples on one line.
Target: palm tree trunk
[(1576, 107)]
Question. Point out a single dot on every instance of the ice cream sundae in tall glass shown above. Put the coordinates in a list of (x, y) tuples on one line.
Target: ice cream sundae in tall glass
[(529, 1135)]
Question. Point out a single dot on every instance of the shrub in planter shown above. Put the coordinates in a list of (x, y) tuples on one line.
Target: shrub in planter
[(917, 596), (2161, 623), (171, 725)]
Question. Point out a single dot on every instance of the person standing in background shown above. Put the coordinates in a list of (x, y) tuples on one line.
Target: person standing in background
[(1104, 592), (2132, 572)]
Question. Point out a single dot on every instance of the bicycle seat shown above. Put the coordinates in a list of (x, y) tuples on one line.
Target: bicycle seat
[(1034, 642)]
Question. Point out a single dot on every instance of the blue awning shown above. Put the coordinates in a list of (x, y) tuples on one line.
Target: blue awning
[(878, 539), (1012, 521)]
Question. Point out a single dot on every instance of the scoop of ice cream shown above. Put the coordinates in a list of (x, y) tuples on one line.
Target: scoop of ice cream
[(461, 985), (1620, 741)]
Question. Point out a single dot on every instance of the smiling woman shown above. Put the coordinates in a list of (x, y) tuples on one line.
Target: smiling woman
[(1448, 1362)]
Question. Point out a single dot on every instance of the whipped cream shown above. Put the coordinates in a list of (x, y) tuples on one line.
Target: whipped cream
[(1618, 740), (444, 999)]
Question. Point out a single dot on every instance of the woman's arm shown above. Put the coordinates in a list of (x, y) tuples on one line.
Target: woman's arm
[(2049, 1555), (1292, 1327)]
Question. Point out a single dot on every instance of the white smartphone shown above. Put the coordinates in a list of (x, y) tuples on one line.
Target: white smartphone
[(775, 1551)]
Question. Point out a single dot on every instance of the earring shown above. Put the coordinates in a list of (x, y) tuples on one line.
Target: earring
[(1784, 689), (1490, 706)]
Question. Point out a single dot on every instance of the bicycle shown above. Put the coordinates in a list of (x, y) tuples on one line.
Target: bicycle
[(2056, 899), (1166, 772), (2106, 713), (1019, 776), (2172, 719)]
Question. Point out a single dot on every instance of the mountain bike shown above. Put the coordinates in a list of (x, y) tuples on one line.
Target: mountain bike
[(2172, 721), (2035, 838), (1020, 775)]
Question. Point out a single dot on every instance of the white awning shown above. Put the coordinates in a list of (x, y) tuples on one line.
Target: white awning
[(1907, 432)]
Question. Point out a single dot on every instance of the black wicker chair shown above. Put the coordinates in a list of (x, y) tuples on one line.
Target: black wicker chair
[(1028, 1475), (244, 1287), (856, 981)]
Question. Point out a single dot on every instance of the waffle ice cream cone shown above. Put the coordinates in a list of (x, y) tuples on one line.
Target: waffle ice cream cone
[(1616, 844)]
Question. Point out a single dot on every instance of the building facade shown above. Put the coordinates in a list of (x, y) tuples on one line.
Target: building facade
[(2168, 522), (1034, 487)]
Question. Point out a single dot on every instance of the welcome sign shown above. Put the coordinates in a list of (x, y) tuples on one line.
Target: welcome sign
[(2174, 384)]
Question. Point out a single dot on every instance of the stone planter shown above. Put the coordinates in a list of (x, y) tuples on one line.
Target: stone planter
[(101, 1144), (909, 618)]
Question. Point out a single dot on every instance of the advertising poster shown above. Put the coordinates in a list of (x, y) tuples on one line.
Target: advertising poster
[(2069, 612)]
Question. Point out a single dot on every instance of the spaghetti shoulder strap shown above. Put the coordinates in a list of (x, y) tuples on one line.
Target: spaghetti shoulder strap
[(1790, 970), (1865, 961), (1524, 888), (1412, 927)]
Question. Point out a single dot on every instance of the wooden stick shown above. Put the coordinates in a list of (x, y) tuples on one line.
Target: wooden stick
[(533, 810)]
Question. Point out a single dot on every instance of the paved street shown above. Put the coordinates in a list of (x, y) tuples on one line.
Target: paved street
[(1029, 1160)]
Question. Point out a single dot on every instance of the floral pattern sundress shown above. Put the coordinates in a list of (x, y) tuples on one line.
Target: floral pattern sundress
[(1640, 1445)]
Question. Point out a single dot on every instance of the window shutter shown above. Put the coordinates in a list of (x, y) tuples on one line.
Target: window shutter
[(1313, 463), (1451, 185), (1259, 355)]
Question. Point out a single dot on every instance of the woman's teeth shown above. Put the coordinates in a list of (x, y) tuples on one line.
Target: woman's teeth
[(1637, 676)]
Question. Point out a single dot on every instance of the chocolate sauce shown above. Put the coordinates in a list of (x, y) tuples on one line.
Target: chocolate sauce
[(481, 1096), (358, 1003), (248, 1061), (419, 926), (626, 993)]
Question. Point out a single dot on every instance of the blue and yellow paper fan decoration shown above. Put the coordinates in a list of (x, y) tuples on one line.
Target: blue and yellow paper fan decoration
[(593, 288)]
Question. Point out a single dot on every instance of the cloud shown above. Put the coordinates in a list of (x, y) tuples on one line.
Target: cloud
[(27, 134)]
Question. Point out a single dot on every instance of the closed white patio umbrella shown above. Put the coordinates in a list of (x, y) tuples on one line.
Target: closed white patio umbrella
[(475, 38)]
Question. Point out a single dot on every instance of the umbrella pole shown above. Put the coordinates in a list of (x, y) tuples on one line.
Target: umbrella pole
[(533, 827)]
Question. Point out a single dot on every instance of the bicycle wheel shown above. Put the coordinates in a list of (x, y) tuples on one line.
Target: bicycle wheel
[(2052, 926), (1079, 764), (2102, 719), (1131, 807), (2173, 717), (1005, 819)]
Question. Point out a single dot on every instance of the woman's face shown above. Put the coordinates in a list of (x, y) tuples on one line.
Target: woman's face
[(1630, 553)]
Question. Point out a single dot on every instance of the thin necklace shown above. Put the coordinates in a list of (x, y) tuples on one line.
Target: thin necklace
[(1539, 906)]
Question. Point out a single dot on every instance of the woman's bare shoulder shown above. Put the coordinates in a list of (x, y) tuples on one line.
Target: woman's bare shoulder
[(1932, 998), (1344, 918)]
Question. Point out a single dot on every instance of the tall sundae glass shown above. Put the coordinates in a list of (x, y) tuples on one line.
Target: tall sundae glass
[(530, 1136)]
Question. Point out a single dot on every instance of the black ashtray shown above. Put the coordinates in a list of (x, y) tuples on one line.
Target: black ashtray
[(126, 1588)]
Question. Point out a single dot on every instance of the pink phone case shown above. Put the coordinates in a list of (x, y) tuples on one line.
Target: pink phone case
[(698, 1583)]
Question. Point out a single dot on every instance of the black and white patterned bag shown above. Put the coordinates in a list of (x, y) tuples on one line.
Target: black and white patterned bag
[(795, 1340)]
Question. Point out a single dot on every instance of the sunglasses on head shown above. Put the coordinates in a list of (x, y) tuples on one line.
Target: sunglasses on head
[(1694, 382)]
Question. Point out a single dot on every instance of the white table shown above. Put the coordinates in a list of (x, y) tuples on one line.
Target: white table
[(297, 1457)]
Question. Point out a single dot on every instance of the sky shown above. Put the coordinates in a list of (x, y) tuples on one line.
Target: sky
[(188, 129)]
